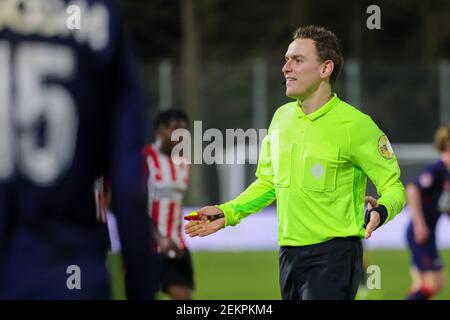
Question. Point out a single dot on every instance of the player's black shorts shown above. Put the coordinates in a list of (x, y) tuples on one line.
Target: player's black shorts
[(325, 271), (177, 271)]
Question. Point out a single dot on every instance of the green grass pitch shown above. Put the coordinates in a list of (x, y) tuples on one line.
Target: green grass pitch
[(254, 274)]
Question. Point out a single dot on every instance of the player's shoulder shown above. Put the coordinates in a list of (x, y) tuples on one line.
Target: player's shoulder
[(282, 114), (351, 112), (436, 167), (285, 110), (148, 150), (430, 173), (355, 119)]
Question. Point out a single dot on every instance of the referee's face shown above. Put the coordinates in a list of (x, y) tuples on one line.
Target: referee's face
[(301, 69)]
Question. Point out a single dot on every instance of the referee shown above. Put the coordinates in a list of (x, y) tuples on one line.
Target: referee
[(315, 162)]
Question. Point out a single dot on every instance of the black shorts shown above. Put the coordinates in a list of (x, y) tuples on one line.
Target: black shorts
[(325, 271), (177, 271)]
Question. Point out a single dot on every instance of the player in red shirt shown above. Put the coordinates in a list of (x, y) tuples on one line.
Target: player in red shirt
[(167, 180)]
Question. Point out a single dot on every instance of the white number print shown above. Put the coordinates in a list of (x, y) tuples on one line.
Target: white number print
[(36, 100)]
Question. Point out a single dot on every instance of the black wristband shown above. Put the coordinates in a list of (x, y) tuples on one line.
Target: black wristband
[(383, 215)]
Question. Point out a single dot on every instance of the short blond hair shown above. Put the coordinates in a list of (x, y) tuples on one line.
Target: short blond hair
[(442, 138)]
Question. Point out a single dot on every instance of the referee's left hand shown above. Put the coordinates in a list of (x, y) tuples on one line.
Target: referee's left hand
[(374, 217)]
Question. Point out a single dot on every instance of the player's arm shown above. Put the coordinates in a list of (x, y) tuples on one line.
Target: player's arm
[(166, 245), (415, 205), (371, 151), (257, 196)]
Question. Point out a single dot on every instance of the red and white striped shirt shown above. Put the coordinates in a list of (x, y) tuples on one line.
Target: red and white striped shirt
[(167, 180)]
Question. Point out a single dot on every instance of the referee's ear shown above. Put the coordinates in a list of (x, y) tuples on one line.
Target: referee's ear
[(326, 69)]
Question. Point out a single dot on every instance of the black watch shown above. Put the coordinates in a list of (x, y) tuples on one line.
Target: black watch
[(383, 215)]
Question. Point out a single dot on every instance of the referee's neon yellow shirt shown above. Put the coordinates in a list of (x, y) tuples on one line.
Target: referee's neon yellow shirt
[(316, 166)]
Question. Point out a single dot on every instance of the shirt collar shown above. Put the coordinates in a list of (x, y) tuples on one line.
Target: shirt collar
[(319, 112)]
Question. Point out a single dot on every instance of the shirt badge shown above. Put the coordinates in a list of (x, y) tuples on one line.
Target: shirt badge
[(385, 148)]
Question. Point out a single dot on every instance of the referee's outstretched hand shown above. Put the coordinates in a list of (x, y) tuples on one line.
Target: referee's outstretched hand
[(205, 226), (374, 217)]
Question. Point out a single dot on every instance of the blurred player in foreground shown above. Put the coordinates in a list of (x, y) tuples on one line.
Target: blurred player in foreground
[(428, 197), (167, 180), (315, 161), (102, 193), (70, 110)]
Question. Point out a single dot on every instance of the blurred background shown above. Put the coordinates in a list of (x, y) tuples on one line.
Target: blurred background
[(220, 61)]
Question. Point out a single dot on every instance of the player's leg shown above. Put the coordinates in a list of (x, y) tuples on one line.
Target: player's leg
[(335, 269), (363, 292), (365, 264), (421, 289), (434, 280), (416, 258), (177, 292), (290, 273), (426, 270), (416, 278), (178, 277)]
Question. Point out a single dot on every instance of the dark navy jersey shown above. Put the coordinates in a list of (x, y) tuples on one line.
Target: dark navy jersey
[(433, 181), (70, 110)]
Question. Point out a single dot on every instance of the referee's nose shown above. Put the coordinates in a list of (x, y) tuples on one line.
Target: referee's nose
[(286, 68)]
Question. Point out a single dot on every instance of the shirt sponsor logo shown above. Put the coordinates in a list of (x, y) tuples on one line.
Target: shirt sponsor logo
[(385, 148)]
